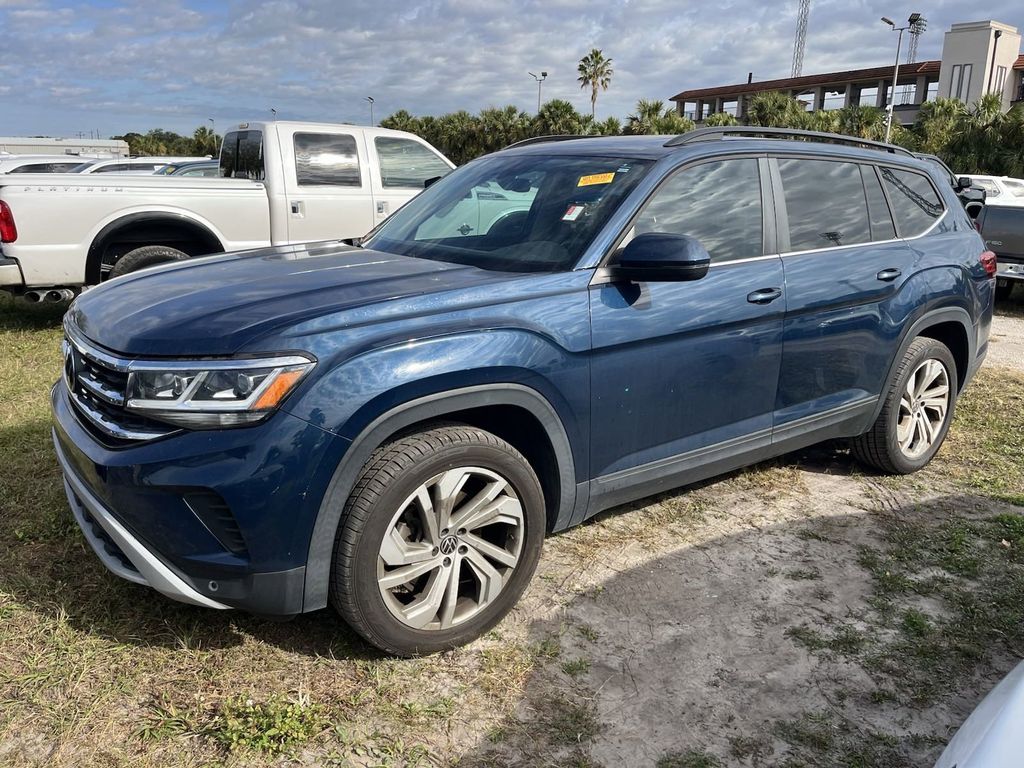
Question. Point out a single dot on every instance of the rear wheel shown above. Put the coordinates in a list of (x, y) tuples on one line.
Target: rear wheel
[(146, 256), (917, 411), (439, 539)]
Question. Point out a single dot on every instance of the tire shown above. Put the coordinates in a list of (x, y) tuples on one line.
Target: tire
[(387, 501), (146, 256), (1003, 289), (881, 446)]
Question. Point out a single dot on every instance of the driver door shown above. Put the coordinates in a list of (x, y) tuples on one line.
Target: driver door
[(685, 374)]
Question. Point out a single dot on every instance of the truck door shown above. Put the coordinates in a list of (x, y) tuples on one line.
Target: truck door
[(400, 165), (327, 184)]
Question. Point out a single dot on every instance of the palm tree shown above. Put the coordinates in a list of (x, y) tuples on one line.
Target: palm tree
[(205, 142), (595, 71), (774, 110), (937, 122), (557, 118), (720, 118), (671, 122), (401, 121), (862, 121), (824, 120), (608, 127), (500, 127), (645, 121), (459, 134)]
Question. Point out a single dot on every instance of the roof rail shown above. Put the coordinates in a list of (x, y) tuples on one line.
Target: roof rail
[(553, 137), (723, 131)]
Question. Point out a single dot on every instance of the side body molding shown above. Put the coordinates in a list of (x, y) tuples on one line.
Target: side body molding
[(321, 546)]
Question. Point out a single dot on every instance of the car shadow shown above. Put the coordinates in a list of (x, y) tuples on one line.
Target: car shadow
[(718, 653), (16, 314)]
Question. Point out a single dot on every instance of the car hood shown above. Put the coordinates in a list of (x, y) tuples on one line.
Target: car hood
[(221, 304)]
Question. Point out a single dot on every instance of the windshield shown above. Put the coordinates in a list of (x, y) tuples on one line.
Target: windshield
[(524, 213)]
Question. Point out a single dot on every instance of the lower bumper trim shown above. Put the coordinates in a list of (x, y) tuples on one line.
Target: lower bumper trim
[(148, 568)]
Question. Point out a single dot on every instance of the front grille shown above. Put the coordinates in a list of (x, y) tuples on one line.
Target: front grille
[(98, 384)]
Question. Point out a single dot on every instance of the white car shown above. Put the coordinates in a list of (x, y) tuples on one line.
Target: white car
[(992, 736), (40, 163), (1000, 189), (284, 182), (131, 164)]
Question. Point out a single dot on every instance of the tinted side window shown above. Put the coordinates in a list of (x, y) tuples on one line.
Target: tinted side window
[(326, 159), (719, 203), (45, 168), (241, 156), (116, 168), (878, 209), (407, 163), (915, 203), (825, 203)]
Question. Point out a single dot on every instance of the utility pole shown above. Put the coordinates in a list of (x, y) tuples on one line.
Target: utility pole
[(370, 99), (543, 76)]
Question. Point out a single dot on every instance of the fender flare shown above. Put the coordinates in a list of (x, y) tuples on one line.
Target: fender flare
[(927, 320), (95, 252), (321, 545)]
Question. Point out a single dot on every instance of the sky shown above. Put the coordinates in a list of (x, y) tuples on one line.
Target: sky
[(113, 67)]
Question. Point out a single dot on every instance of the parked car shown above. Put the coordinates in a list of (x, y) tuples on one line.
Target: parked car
[(205, 168), (284, 183), (1000, 189), (991, 737), (1002, 227), (133, 165), (39, 163), (391, 427)]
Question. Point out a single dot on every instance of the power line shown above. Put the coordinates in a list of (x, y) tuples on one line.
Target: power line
[(801, 37)]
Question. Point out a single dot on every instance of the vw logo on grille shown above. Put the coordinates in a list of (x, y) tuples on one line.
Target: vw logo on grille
[(448, 545)]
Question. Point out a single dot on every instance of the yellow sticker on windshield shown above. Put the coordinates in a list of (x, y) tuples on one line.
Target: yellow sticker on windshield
[(597, 178)]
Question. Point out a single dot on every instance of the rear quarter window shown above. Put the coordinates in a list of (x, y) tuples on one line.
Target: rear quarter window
[(916, 206), (241, 156)]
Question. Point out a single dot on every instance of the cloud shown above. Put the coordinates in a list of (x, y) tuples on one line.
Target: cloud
[(132, 65)]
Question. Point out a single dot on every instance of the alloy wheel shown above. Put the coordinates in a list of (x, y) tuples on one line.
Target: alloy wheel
[(450, 548), (923, 407)]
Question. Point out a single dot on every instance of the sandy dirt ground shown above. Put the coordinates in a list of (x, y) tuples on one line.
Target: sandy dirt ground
[(684, 607)]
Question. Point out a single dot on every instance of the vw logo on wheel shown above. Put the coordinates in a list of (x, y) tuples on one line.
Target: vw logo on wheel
[(448, 545)]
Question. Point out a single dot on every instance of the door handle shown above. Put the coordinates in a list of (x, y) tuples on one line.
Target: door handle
[(382, 207), (297, 208), (888, 275), (764, 296)]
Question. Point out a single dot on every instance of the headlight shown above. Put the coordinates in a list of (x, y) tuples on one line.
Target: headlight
[(213, 393)]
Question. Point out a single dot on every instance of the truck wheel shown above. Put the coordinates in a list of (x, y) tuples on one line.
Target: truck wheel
[(1003, 289), (146, 256), (439, 539), (917, 411)]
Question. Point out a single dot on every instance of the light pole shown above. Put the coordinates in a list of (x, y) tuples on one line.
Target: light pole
[(213, 130), (540, 79), (273, 113), (370, 99), (911, 21)]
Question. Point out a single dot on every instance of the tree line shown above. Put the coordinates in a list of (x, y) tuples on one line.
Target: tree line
[(977, 138), (161, 143)]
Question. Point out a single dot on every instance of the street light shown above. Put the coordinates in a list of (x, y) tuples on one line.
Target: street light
[(213, 130), (370, 99), (543, 76), (911, 21)]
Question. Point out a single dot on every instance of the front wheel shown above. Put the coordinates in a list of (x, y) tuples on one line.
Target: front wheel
[(439, 539), (917, 411)]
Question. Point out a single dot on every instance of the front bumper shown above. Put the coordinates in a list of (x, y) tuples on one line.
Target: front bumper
[(117, 548)]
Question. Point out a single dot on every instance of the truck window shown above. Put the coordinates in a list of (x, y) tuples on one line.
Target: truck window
[(326, 160), (407, 163), (241, 156)]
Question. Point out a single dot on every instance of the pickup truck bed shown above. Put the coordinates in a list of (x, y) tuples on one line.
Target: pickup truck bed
[(1002, 227)]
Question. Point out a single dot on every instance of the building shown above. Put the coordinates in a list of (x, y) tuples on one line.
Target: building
[(16, 145), (977, 57)]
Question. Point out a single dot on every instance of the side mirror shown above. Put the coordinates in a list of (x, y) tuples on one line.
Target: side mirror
[(431, 181), (963, 182), (662, 257)]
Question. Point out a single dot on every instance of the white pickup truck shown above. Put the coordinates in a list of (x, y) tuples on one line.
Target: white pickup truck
[(283, 182)]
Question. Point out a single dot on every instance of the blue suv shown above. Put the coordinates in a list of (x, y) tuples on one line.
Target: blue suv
[(391, 426)]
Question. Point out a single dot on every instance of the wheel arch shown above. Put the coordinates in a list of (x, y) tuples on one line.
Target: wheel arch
[(168, 228), (950, 325), (514, 412)]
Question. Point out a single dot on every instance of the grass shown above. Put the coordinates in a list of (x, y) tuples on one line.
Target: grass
[(94, 670)]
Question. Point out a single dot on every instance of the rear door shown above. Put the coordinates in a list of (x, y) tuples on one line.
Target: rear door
[(327, 183), (845, 264), (400, 166)]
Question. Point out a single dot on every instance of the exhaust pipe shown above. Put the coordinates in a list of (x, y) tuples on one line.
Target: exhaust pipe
[(33, 297), (56, 295)]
